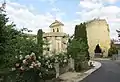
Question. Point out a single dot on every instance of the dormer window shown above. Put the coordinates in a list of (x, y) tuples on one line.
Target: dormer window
[(57, 30), (53, 30)]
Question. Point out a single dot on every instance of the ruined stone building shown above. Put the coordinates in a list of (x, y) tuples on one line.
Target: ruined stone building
[(56, 38), (98, 33)]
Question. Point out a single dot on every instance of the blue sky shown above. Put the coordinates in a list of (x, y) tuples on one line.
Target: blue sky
[(36, 14), (42, 6)]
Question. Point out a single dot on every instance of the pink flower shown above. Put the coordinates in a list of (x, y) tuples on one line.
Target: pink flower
[(24, 61), (33, 63), (39, 64), (17, 64), (21, 68), (27, 56), (30, 66), (32, 54)]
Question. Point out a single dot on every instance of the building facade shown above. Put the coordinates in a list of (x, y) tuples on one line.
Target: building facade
[(98, 33), (56, 38)]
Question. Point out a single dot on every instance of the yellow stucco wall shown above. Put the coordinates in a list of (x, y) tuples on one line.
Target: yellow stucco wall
[(56, 39), (98, 33)]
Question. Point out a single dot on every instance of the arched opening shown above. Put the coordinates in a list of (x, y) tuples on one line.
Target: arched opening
[(98, 51)]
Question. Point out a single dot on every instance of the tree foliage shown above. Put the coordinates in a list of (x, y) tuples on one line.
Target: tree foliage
[(78, 47), (7, 35), (112, 50), (40, 40), (79, 44), (13, 43)]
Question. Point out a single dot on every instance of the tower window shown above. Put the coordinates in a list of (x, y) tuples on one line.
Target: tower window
[(57, 30), (53, 30)]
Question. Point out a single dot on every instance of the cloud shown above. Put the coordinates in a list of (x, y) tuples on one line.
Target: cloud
[(50, 1), (102, 1), (109, 12), (112, 1), (90, 4), (22, 16)]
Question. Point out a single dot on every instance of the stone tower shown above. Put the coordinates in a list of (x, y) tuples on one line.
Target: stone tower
[(56, 38), (98, 33)]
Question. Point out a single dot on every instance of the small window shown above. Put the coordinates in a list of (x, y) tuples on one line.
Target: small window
[(57, 30), (53, 30)]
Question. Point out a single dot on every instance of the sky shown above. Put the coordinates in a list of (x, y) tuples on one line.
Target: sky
[(39, 14)]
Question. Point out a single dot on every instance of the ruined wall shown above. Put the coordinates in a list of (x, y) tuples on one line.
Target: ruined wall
[(98, 33)]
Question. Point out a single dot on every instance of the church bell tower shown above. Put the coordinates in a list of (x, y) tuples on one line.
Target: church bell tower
[(56, 26)]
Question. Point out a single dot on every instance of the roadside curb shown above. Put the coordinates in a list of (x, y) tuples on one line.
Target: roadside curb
[(78, 76), (87, 73)]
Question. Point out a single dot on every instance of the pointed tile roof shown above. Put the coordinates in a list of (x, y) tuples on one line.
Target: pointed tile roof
[(56, 23)]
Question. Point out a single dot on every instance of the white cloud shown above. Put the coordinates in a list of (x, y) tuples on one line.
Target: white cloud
[(22, 16), (50, 1), (90, 4), (112, 1), (109, 12), (102, 1)]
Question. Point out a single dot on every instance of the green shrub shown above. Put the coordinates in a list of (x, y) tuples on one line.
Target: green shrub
[(112, 50)]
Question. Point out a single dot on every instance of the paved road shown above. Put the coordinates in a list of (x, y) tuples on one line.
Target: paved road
[(109, 72)]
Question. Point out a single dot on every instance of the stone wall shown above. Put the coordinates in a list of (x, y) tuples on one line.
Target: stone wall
[(98, 33), (66, 68)]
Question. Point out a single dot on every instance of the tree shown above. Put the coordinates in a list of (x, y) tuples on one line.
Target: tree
[(80, 35), (13, 43), (112, 50), (6, 34), (76, 32), (86, 41), (40, 40), (78, 47)]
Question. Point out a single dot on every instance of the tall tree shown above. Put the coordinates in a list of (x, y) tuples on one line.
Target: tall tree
[(76, 32), (7, 37), (13, 43), (80, 38), (40, 40)]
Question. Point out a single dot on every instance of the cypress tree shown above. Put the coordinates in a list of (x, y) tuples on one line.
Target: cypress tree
[(81, 36), (40, 40), (75, 32), (86, 41)]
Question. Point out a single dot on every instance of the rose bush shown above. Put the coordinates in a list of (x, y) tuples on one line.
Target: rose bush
[(36, 68), (26, 69)]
